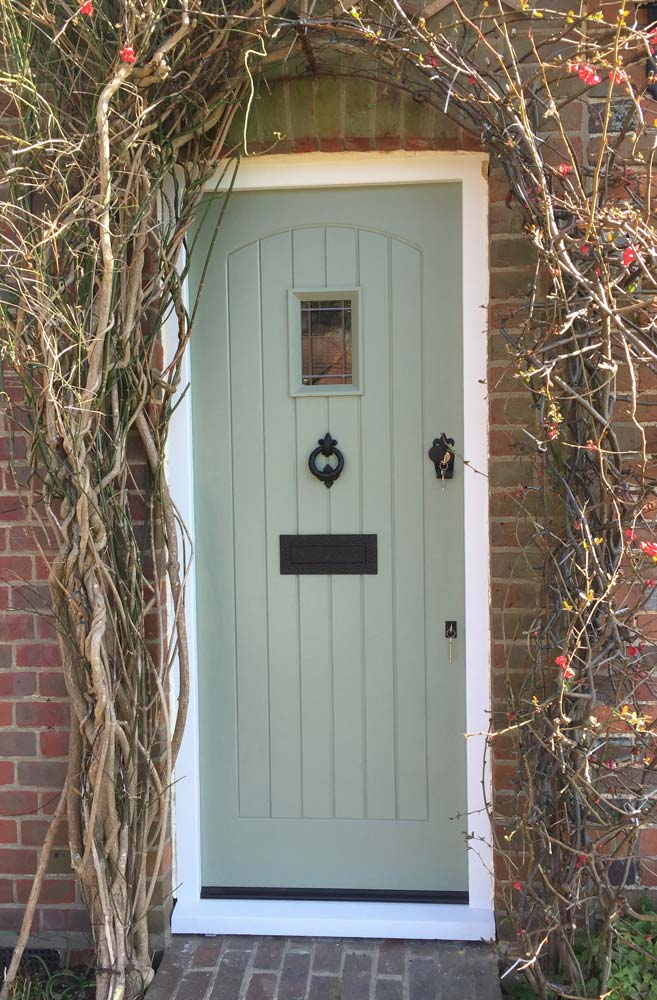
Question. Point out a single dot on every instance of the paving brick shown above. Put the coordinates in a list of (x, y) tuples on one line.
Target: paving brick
[(171, 969), (294, 977), (231, 973), (326, 988), (422, 979), (194, 985), (328, 956), (269, 954), (391, 958), (241, 942), (388, 989), (301, 944), (207, 952), (262, 986), (356, 976)]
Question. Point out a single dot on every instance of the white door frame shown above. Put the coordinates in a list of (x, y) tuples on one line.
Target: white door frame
[(193, 915)]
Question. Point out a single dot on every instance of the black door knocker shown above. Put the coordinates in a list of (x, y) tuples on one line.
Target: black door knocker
[(441, 454), (329, 473)]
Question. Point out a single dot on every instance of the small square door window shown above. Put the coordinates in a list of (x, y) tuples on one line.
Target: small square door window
[(324, 342), (326, 351)]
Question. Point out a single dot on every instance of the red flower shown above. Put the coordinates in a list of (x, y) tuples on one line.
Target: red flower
[(517, 885), (651, 583), (561, 661), (127, 54), (87, 8), (581, 861), (564, 168), (568, 673), (588, 74), (629, 256), (585, 247), (648, 548), (618, 76), (591, 445), (630, 535), (633, 650), (433, 62), (553, 432)]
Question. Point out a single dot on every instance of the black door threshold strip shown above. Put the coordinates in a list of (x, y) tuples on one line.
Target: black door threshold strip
[(346, 895)]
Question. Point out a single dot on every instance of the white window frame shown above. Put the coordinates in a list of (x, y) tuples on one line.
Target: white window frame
[(474, 921)]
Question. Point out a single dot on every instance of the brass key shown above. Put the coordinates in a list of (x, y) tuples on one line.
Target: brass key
[(450, 634)]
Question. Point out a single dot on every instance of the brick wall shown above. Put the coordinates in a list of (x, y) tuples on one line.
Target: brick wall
[(307, 115)]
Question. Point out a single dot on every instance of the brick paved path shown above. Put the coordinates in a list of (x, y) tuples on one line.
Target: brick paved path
[(276, 968)]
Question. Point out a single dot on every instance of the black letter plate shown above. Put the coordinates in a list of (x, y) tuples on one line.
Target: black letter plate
[(303, 555)]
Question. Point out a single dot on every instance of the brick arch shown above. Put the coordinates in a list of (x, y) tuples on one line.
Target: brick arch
[(337, 113)]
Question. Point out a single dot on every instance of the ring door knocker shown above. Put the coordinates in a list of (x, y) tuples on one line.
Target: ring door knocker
[(327, 447), (441, 454)]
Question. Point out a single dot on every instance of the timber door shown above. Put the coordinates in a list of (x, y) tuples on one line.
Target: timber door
[(331, 718)]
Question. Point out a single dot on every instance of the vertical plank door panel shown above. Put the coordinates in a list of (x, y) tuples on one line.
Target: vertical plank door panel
[(276, 276), (251, 619), (408, 459), (309, 250), (346, 606), (377, 467)]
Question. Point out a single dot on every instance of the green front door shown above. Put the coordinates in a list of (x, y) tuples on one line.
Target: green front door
[(331, 718)]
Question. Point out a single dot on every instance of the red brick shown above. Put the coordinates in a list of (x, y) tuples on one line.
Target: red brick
[(52, 685), (28, 538), (41, 713), (15, 568), (18, 802), (11, 918), (53, 744), (6, 772), (11, 509), (42, 773), (6, 713), (68, 919), (17, 861), (15, 744), (14, 625), (8, 831), (52, 891), (6, 891), (33, 832), (13, 449), (16, 684), (38, 655), (45, 628)]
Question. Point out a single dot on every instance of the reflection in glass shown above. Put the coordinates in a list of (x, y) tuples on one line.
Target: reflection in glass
[(326, 342)]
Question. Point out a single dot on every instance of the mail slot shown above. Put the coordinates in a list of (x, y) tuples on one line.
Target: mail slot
[(306, 555)]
